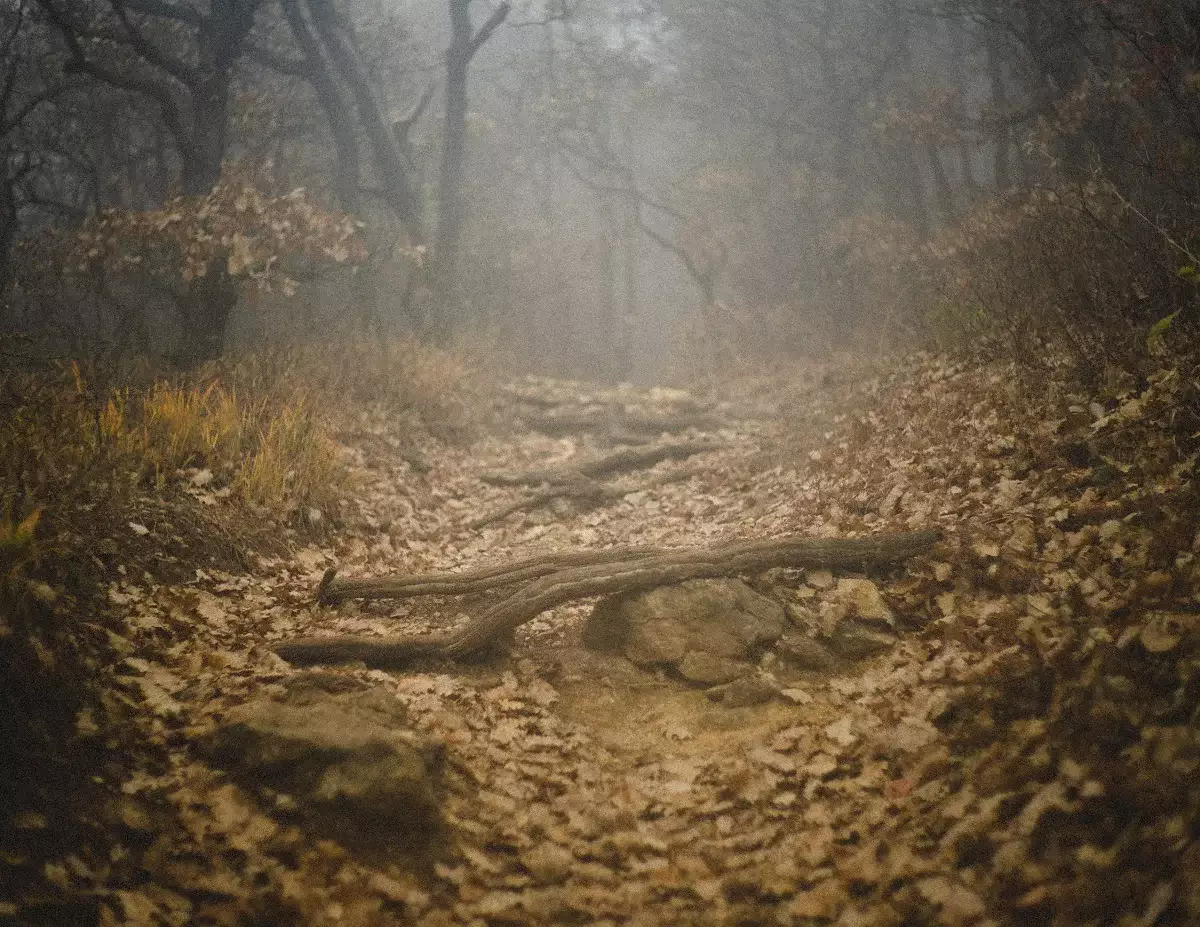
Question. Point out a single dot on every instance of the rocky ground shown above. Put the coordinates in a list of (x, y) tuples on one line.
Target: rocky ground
[(1002, 730)]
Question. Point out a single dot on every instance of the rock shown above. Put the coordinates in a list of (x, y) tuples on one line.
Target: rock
[(655, 642), (708, 669), (744, 692), (724, 618), (802, 652), (854, 641), (820, 579), (804, 616), (548, 862), (862, 600), (340, 755)]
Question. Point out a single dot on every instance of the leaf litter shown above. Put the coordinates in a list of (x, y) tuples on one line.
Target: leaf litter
[(1026, 752)]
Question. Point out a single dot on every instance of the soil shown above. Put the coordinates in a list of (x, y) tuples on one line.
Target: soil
[(1024, 752)]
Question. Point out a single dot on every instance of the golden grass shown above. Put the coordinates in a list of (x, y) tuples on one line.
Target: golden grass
[(267, 451), (262, 424), (444, 390)]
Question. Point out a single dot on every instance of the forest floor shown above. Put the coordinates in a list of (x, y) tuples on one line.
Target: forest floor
[(1026, 750)]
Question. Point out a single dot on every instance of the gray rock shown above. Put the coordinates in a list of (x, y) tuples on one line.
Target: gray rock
[(724, 618), (744, 692), (804, 653), (660, 641), (338, 754), (854, 641), (708, 669)]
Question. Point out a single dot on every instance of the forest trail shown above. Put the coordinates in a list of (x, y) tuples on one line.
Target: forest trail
[(919, 782)]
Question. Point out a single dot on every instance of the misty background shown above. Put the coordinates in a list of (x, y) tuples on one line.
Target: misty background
[(639, 190)]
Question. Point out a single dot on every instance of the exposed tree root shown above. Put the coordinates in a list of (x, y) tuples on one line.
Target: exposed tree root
[(571, 423), (618, 462), (557, 579), (582, 490)]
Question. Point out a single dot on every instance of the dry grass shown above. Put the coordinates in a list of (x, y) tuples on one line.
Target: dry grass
[(268, 452), (61, 443), (262, 425), (443, 390)]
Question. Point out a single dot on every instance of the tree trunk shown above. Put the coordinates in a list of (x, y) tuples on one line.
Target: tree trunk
[(319, 74), (8, 227), (941, 183), (464, 43), (1002, 170), (207, 306), (454, 147), (630, 235), (607, 267), (394, 172), (210, 299)]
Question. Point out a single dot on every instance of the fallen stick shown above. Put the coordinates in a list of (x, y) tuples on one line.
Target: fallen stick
[(644, 570), (589, 492), (558, 424), (581, 490), (617, 462), (333, 590)]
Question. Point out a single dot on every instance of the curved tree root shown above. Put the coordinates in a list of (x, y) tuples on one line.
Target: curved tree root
[(554, 580)]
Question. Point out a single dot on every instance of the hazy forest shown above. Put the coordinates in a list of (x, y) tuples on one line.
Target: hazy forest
[(629, 463)]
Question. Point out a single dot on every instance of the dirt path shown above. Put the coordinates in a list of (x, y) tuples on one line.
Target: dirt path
[(578, 789)]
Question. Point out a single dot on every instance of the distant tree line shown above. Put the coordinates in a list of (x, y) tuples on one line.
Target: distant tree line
[(797, 164)]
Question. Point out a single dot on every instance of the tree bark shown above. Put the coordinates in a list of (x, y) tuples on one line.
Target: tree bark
[(644, 569), (464, 43), (206, 308), (1002, 169), (210, 300), (318, 72), (394, 172)]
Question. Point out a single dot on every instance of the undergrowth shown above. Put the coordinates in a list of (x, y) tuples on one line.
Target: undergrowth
[(96, 483), (58, 438), (441, 391)]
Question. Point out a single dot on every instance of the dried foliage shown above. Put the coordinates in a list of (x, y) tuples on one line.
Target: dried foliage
[(247, 229), (1072, 271), (1025, 751), (445, 391), (114, 284), (201, 435)]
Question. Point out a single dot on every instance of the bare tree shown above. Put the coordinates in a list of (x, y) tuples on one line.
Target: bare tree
[(465, 42)]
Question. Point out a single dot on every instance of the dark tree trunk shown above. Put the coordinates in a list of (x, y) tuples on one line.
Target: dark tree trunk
[(464, 43), (206, 306), (318, 72), (454, 147), (8, 229), (1000, 106), (905, 164), (941, 183), (210, 300), (394, 173), (966, 160)]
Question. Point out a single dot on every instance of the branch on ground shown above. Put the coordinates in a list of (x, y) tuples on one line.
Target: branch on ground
[(558, 579), (618, 462), (583, 491), (569, 423)]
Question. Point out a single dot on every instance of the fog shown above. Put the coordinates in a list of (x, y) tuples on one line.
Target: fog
[(640, 191)]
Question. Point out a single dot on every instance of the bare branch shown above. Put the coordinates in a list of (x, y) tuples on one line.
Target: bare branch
[(153, 90), (151, 52), (485, 31), (178, 12), (401, 127)]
